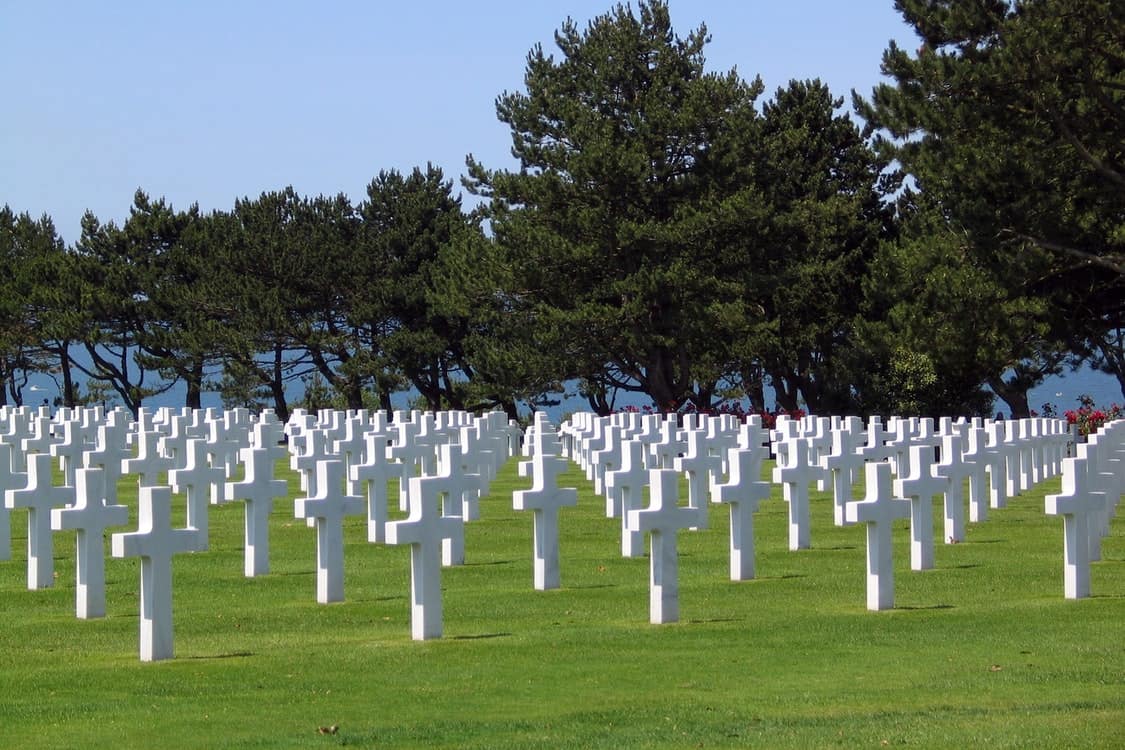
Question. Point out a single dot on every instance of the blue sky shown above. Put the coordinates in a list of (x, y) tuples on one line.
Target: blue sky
[(206, 102)]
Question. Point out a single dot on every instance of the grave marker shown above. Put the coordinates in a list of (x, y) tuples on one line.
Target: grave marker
[(258, 488), (326, 510), (878, 510), (795, 475), (920, 486), (424, 530), (742, 492), (544, 500), (155, 541), (662, 519), (195, 481), (1075, 504), (370, 478), (39, 496), (90, 516)]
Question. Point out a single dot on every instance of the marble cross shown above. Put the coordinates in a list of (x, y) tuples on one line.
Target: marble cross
[(879, 509), (544, 500), (1075, 504), (90, 516), (662, 519), (155, 542), (843, 462), (258, 488), (424, 530), (369, 479), (953, 470), (327, 509), (795, 474), (195, 480), (624, 492), (920, 486), (699, 466), (10, 479), (742, 492), (39, 496)]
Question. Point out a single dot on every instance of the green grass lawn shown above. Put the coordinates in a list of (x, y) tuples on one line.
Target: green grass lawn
[(983, 651)]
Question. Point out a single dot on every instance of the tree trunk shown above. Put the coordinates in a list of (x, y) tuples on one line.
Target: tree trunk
[(1014, 396), (785, 393), (277, 385), (70, 397), (755, 391), (194, 379)]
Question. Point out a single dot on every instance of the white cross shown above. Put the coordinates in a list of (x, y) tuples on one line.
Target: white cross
[(69, 449), (195, 480), (327, 510), (625, 492), (843, 462), (370, 478), (953, 470), (878, 510), (154, 541), (995, 456), (1075, 504), (544, 499), (795, 475), (424, 530), (10, 479), (920, 486), (258, 488), (976, 464), (149, 462), (307, 451), (662, 519), (89, 516), (699, 466), (39, 496), (743, 492)]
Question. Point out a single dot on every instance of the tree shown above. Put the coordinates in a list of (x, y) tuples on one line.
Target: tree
[(118, 270), (1011, 116), (632, 173), (408, 223), (16, 331), (824, 192), (264, 264)]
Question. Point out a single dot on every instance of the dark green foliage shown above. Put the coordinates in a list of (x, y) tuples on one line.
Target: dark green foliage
[(632, 163), (1010, 117)]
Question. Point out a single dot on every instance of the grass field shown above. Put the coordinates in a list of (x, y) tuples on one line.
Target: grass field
[(983, 651)]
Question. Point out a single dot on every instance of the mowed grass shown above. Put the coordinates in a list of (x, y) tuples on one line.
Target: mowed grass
[(981, 651)]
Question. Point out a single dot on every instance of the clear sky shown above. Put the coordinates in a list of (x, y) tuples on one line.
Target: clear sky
[(205, 102)]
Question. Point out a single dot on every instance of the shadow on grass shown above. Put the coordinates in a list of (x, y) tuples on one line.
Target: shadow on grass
[(716, 619), (963, 566), (921, 608), (490, 562), (230, 655), (782, 577), (479, 637), (838, 548), (292, 573), (594, 586), (983, 541)]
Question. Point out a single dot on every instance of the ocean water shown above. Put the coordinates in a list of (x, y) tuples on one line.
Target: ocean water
[(1062, 391)]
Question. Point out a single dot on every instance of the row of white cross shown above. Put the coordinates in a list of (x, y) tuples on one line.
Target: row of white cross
[(454, 455), (443, 463), (624, 454), (1092, 484)]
